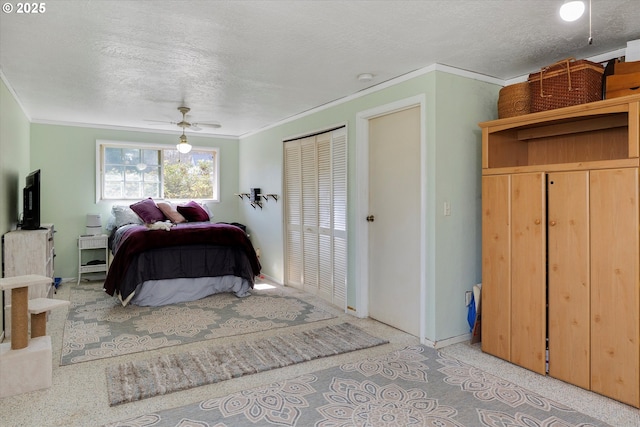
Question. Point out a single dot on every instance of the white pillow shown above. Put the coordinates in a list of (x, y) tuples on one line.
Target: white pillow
[(122, 215)]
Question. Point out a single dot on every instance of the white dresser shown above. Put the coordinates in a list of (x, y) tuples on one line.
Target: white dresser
[(28, 252)]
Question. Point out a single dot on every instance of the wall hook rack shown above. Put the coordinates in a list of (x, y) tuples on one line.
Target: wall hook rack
[(256, 198)]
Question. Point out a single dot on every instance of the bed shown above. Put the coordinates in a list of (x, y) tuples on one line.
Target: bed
[(179, 262)]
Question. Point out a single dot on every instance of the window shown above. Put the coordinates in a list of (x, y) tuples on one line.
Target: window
[(129, 171)]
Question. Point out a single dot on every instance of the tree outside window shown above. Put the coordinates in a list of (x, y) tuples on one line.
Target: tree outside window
[(131, 172)]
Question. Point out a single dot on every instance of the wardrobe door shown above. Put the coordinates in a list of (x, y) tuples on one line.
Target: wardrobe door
[(528, 271), (496, 266), (615, 293), (568, 276)]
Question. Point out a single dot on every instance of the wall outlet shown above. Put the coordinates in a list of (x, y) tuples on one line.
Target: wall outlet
[(467, 298), (258, 252)]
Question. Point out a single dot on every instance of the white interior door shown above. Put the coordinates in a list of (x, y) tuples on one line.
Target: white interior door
[(394, 228)]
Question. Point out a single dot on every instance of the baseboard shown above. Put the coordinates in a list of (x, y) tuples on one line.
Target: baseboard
[(270, 279), (447, 342)]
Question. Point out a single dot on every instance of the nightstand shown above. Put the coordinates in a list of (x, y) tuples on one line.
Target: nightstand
[(93, 254)]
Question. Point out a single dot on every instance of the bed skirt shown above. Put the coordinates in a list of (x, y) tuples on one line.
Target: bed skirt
[(170, 291)]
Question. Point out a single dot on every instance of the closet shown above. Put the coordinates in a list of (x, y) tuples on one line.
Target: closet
[(561, 244), (315, 203)]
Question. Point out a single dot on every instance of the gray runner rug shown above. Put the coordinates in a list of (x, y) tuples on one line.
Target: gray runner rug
[(412, 387), (137, 380)]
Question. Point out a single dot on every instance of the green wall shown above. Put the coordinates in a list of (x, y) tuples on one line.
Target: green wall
[(454, 174), (14, 158), (14, 162), (454, 107), (67, 156)]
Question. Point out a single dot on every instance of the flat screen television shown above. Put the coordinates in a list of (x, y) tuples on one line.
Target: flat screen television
[(31, 202)]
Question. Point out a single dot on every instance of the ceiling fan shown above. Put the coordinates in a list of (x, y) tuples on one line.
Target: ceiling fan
[(184, 124), (183, 146)]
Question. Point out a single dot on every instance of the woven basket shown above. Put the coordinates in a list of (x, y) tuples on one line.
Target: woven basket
[(567, 82), (514, 100)]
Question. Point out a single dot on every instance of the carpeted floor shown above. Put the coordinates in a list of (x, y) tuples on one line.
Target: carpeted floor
[(131, 381), (78, 395), (98, 326), (415, 386)]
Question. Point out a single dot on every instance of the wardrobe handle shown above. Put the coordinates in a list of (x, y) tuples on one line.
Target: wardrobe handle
[(552, 223), (536, 222)]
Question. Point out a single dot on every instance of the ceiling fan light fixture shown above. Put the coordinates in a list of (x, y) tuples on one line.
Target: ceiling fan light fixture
[(183, 146), (572, 10)]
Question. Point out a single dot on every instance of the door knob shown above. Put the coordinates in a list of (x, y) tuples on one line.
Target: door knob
[(370, 218)]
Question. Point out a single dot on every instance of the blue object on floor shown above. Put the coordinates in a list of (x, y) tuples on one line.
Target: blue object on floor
[(471, 314)]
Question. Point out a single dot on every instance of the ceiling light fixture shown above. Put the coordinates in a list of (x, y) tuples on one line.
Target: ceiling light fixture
[(572, 10), (365, 77), (183, 146)]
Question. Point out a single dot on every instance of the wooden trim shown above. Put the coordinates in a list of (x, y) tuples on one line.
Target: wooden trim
[(600, 164), (634, 129), (591, 124), (485, 148), (608, 106)]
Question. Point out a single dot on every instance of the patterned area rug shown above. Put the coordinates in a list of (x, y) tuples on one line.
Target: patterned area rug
[(415, 386), (165, 374), (98, 326)]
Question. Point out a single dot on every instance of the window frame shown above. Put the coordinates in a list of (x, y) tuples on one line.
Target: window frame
[(99, 164)]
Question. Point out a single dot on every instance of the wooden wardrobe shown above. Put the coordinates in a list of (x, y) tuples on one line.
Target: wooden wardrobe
[(561, 244)]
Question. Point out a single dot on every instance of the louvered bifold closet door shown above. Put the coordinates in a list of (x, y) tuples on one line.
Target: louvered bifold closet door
[(339, 220), (293, 213), (316, 215), (310, 214), (325, 276)]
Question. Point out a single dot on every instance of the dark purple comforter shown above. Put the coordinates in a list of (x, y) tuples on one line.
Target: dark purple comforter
[(197, 249)]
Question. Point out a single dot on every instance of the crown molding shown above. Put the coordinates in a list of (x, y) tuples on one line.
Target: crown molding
[(14, 94)]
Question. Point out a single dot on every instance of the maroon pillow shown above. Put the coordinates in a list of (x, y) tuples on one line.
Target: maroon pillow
[(148, 211), (193, 212)]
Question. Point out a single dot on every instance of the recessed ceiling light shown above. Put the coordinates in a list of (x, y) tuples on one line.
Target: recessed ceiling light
[(365, 77)]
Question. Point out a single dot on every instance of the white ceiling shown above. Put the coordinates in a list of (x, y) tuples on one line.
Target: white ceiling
[(249, 64)]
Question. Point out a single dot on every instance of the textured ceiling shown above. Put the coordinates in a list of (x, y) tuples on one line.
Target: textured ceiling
[(249, 64)]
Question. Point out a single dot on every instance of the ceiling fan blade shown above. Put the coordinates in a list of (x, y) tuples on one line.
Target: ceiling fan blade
[(161, 122), (211, 125), (186, 122)]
